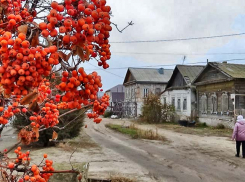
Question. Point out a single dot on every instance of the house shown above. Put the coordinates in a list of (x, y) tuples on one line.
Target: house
[(116, 94), (180, 92), (140, 82), (220, 93)]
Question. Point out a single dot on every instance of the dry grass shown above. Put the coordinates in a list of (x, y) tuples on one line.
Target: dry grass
[(83, 141), (136, 133), (121, 179), (199, 129)]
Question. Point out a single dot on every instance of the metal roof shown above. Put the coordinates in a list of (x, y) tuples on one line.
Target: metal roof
[(190, 72), (150, 75), (118, 88), (232, 70)]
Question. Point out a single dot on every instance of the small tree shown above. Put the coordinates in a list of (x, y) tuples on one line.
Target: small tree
[(155, 112), (152, 109)]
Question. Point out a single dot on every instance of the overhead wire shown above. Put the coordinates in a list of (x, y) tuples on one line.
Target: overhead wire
[(104, 70), (165, 65), (177, 39), (178, 54)]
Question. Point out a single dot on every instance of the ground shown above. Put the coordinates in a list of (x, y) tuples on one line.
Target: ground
[(184, 157)]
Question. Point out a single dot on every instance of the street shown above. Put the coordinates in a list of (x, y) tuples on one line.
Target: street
[(185, 158)]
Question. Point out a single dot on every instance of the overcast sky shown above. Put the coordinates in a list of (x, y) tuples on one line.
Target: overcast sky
[(171, 19)]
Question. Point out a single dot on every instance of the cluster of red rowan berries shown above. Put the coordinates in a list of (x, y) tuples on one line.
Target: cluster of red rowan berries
[(99, 108), (32, 173), (81, 23)]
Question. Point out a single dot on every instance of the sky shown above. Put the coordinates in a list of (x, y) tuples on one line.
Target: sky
[(172, 19)]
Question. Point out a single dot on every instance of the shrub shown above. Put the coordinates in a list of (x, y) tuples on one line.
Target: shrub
[(219, 126), (108, 114), (72, 130), (155, 112)]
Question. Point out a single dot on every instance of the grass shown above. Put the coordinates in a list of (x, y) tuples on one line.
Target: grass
[(200, 129), (136, 133)]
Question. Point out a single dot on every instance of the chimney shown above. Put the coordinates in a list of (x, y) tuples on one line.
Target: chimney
[(161, 71)]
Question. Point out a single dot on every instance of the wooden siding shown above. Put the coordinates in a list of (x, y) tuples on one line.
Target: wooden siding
[(219, 89), (211, 74), (178, 81)]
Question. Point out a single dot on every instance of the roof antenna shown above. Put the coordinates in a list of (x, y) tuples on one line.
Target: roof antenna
[(184, 59)]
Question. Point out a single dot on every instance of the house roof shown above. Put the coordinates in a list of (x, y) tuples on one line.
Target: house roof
[(152, 75), (190, 72), (117, 88), (231, 70)]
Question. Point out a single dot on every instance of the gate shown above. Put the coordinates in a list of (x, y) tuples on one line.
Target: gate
[(124, 109)]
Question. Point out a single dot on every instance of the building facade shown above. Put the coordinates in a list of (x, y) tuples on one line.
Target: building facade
[(221, 93), (181, 93), (140, 82)]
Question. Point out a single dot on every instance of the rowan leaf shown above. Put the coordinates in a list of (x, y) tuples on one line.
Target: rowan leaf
[(36, 131), (34, 107), (54, 136), (80, 53), (87, 53), (29, 98), (64, 56), (35, 39), (23, 29)]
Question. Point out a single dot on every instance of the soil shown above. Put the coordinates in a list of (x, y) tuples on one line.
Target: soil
[(185, 157)]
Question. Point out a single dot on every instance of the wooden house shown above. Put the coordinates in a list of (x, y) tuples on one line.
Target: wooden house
[(181, 93), (140, 82), (220, 93)]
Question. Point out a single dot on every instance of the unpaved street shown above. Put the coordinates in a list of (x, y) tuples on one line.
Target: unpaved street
[(185, 158)]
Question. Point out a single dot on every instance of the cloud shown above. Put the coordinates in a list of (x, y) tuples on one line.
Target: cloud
[(168, 19)]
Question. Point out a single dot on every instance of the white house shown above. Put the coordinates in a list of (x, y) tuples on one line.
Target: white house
[(140, 82), (180, 92)]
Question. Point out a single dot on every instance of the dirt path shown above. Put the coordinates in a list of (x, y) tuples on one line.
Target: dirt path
[(8, 138), (185, 158)]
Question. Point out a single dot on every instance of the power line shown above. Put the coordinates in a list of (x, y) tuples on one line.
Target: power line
[(166, 65), (105, 71), (178, 54), (178, 39)]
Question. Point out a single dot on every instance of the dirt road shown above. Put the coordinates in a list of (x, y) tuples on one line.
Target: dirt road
[(185, 158), (8, 138)]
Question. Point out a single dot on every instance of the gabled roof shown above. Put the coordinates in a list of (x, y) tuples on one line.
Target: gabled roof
[(231, 71), (148, 75), (188, 72), (118, 88)]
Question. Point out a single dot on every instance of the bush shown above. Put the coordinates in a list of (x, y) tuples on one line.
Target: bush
[(72, 130), (219, 126), (154, 112), (107, 114)]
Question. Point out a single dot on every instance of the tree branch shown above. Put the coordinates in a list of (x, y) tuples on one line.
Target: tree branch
[(129, 24)]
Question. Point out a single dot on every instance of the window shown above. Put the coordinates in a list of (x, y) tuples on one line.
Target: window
[(132, 93), (146, 91), (214, 103), (225, 103), (185, 104), (164, 100), (157, 91), (178, 104), (173, 101), (204, 104)]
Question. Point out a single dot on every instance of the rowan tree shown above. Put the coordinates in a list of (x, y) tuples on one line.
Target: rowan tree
[(37, 39)]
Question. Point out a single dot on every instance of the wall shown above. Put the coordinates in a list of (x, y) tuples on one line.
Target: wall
[(135, 93), (187, 93)]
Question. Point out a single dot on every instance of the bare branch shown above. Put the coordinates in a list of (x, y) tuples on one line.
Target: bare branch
[(129, 24)]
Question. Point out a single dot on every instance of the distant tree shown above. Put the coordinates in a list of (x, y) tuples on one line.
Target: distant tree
[(153, 111)]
